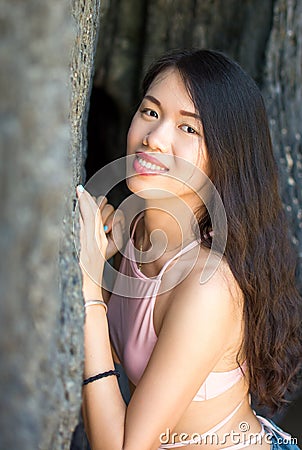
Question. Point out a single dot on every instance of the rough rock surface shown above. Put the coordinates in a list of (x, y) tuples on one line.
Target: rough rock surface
[(42, 118), (283, 91)]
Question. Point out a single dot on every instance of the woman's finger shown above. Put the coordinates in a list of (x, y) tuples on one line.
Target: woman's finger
[(115, 234), (82, 232), (106, 209), (88, 208), (84, 204), (106, 213), (116, 217), (101, 201)]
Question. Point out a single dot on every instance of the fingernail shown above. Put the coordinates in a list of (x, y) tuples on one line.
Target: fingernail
[(106, 228), (80, 188)]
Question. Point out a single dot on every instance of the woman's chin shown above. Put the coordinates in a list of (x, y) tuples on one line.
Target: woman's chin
[(139, 188)]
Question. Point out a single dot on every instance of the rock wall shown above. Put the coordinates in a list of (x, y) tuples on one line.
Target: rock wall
[(283, 92), (43, 112)]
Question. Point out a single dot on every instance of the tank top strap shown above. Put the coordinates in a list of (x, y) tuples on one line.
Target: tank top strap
[(184, 250)]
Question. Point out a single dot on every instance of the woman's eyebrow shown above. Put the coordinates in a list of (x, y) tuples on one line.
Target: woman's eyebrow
[(182, 112), (190, 114), (152, 99)]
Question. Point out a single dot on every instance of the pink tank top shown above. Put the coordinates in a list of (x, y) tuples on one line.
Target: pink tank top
[(130, 319)]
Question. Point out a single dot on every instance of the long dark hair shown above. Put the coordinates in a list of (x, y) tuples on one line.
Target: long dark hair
[(244, 172)]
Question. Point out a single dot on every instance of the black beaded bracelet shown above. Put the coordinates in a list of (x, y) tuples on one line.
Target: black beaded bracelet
[(101, 375)]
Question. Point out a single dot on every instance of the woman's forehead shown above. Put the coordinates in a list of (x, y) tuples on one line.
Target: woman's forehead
[(167, 76), (169, 85)]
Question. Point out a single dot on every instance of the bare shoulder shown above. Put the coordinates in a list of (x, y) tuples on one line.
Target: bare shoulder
[(210, 285), (211, 273)]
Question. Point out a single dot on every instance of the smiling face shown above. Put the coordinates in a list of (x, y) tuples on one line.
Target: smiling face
[(165, 141)]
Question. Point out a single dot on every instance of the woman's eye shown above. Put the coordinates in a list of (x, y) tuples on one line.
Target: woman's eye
[(188, 129), (149, 112)]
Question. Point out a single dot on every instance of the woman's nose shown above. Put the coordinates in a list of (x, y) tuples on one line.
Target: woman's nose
[(159, 138)]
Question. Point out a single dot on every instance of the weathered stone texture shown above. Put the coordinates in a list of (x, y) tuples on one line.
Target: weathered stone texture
[(239, 28), (283, 92), (41, 317)]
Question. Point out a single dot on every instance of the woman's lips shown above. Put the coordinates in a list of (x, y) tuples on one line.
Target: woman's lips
[(148, 165)]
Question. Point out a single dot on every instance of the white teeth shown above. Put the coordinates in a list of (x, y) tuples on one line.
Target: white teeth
[(149, 165)]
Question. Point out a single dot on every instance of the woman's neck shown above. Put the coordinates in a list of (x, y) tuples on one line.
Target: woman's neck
[(168, 223)]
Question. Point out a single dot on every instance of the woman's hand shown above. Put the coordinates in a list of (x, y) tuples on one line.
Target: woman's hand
[(100, 237), (113, 222)]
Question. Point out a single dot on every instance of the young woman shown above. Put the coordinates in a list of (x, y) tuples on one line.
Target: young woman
[(193, 348)]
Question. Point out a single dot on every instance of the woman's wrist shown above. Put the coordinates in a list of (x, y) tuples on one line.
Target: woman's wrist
[(92, 291), (101, 303)]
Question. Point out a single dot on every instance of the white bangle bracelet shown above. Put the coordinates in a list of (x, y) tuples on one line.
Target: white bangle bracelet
[(96, 302)]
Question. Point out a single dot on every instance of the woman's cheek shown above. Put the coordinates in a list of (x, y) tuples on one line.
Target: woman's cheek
[(135, 135), (189, 151)]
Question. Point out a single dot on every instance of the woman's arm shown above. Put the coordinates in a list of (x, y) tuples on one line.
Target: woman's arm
[(103, 406), (194, 336)]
